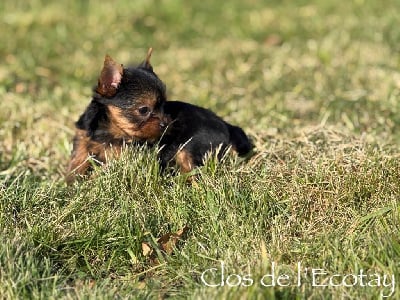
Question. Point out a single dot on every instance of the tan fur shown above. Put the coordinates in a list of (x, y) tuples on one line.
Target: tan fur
[(84, 147), (184, 160), (120, 127), (110, 77)]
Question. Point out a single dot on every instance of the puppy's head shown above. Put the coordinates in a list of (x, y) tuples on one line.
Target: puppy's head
[(134, 99)]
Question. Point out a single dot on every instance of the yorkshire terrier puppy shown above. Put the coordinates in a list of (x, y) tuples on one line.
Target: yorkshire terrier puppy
[(129, 106)]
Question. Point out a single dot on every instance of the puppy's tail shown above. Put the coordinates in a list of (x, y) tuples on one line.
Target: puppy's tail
[(239, 140)]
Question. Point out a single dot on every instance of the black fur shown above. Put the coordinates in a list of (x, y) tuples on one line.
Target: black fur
[(135, 82), (198, 130)]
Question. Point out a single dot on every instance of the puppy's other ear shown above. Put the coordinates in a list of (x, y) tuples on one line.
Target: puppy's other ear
[(110, 77), (146, 63)]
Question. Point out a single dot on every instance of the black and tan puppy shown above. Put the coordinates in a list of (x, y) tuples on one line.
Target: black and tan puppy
[(129, 106)]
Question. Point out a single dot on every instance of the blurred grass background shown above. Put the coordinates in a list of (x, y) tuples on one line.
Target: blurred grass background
[(315, 83), (264, 65)]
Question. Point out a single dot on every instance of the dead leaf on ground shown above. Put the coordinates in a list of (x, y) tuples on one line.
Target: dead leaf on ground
[(146, 249), (168, 241), (165, 243)]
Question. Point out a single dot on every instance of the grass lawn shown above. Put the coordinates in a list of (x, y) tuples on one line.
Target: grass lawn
[(313, 214)]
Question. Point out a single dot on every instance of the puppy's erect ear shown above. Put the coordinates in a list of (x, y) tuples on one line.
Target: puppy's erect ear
[(110, 77), (146, 63)]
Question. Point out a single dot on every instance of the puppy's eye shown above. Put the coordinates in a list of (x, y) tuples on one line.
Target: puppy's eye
[(144, 110)]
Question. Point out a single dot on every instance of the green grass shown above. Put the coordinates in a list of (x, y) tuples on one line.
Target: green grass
[(315, 83)]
